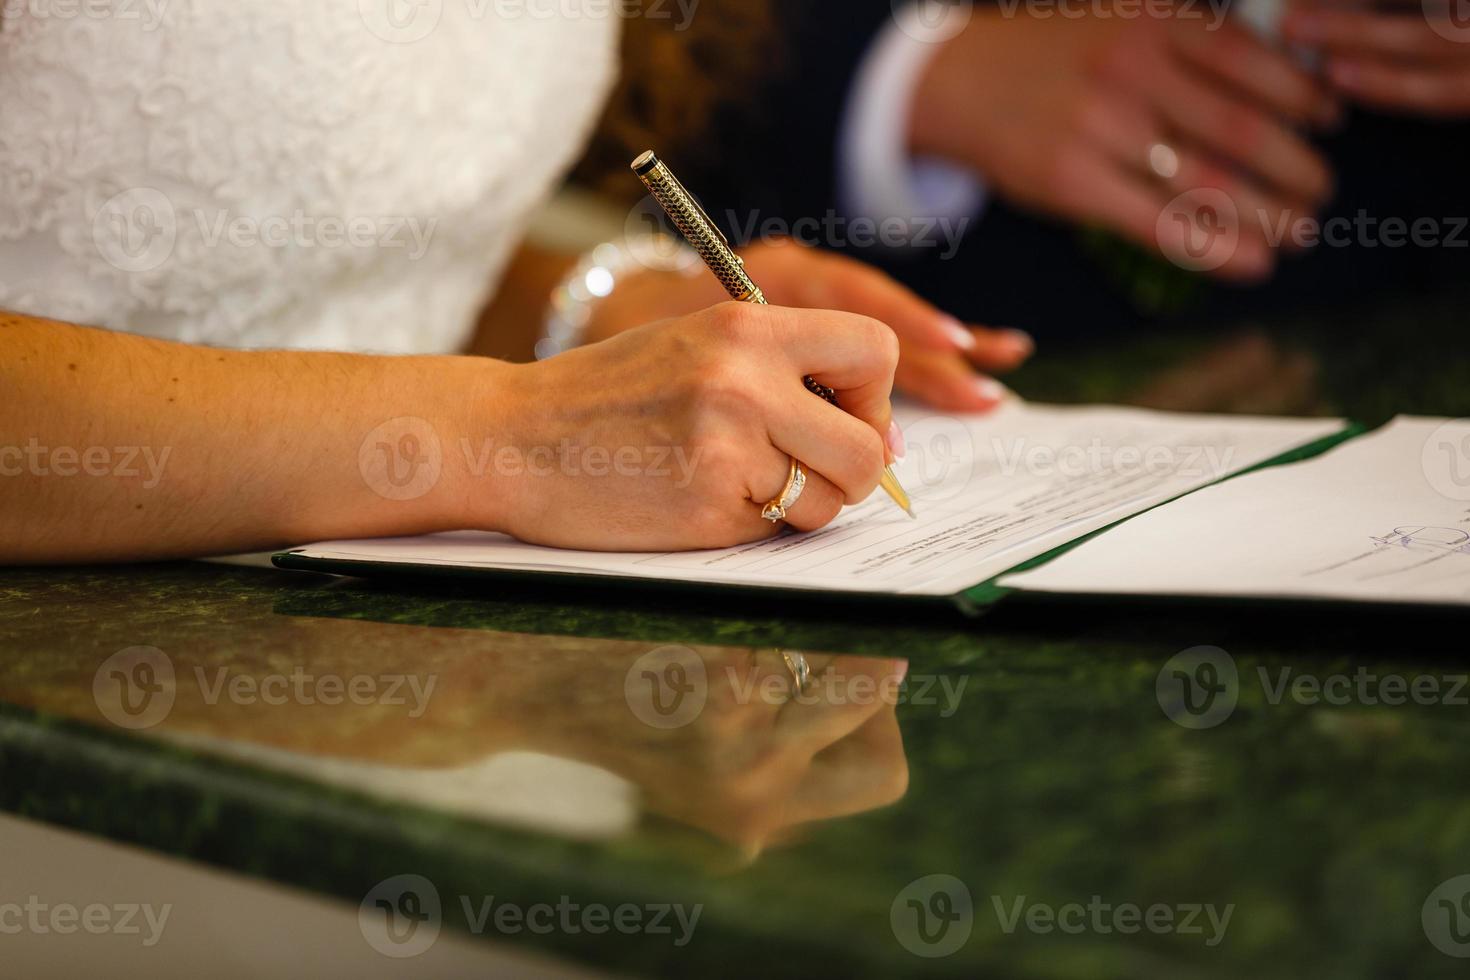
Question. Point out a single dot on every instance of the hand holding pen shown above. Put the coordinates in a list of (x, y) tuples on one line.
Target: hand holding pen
[(674, 435), (715, 250)]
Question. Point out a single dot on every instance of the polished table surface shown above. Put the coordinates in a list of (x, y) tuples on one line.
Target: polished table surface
[(1001, 796)]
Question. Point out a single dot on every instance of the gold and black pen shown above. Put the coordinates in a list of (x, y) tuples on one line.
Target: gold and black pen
[(697, 228)]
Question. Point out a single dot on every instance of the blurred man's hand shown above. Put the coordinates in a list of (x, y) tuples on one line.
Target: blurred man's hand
[(1108, 120), (1396, 55)]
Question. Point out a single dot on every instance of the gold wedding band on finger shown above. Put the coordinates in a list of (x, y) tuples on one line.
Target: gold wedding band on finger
[(775, 510)]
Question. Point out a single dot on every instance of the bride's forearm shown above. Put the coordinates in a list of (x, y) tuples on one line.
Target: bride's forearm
[(116, 447)]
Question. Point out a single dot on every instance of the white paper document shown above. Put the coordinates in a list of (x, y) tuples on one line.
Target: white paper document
[(990, 491), (1384, 517)]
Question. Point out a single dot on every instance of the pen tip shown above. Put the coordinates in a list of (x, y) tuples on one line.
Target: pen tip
[(895, 491)]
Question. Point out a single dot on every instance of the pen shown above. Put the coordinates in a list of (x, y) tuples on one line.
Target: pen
[(729, 268)]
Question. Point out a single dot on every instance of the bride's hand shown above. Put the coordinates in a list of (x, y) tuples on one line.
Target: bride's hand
[(670, 436), (940, 361)]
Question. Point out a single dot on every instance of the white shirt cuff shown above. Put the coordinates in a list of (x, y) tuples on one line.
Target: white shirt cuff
[(877, 176)]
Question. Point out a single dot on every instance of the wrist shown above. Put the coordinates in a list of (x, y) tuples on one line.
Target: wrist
[(361, 446), (943, 122), (485, 407)]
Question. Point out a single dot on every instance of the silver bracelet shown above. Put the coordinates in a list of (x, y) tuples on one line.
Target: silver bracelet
[(595, 276)]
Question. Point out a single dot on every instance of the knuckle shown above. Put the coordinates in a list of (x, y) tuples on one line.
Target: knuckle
[(733, 322), (716, 462), (885, 342), (722, 388), (710, 523)]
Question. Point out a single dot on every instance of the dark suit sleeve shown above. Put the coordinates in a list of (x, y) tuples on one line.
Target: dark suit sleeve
[(779, 152)]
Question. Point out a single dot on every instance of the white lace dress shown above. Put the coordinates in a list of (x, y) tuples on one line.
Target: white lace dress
[(343, 174)]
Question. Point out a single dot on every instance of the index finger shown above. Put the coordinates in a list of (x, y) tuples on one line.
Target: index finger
[(855, 287), (1265, 75), (1400, 36), (856, 356)]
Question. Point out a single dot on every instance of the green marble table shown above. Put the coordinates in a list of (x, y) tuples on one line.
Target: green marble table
[(1002, 796)]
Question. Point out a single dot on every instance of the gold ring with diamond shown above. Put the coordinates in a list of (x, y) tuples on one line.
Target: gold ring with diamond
[(801, 671), (775, 510)]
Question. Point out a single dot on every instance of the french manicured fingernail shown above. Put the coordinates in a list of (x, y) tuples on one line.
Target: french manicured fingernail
[(900, 671), (896, 445), (1016, 343), (991, 390), (962, 337)]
